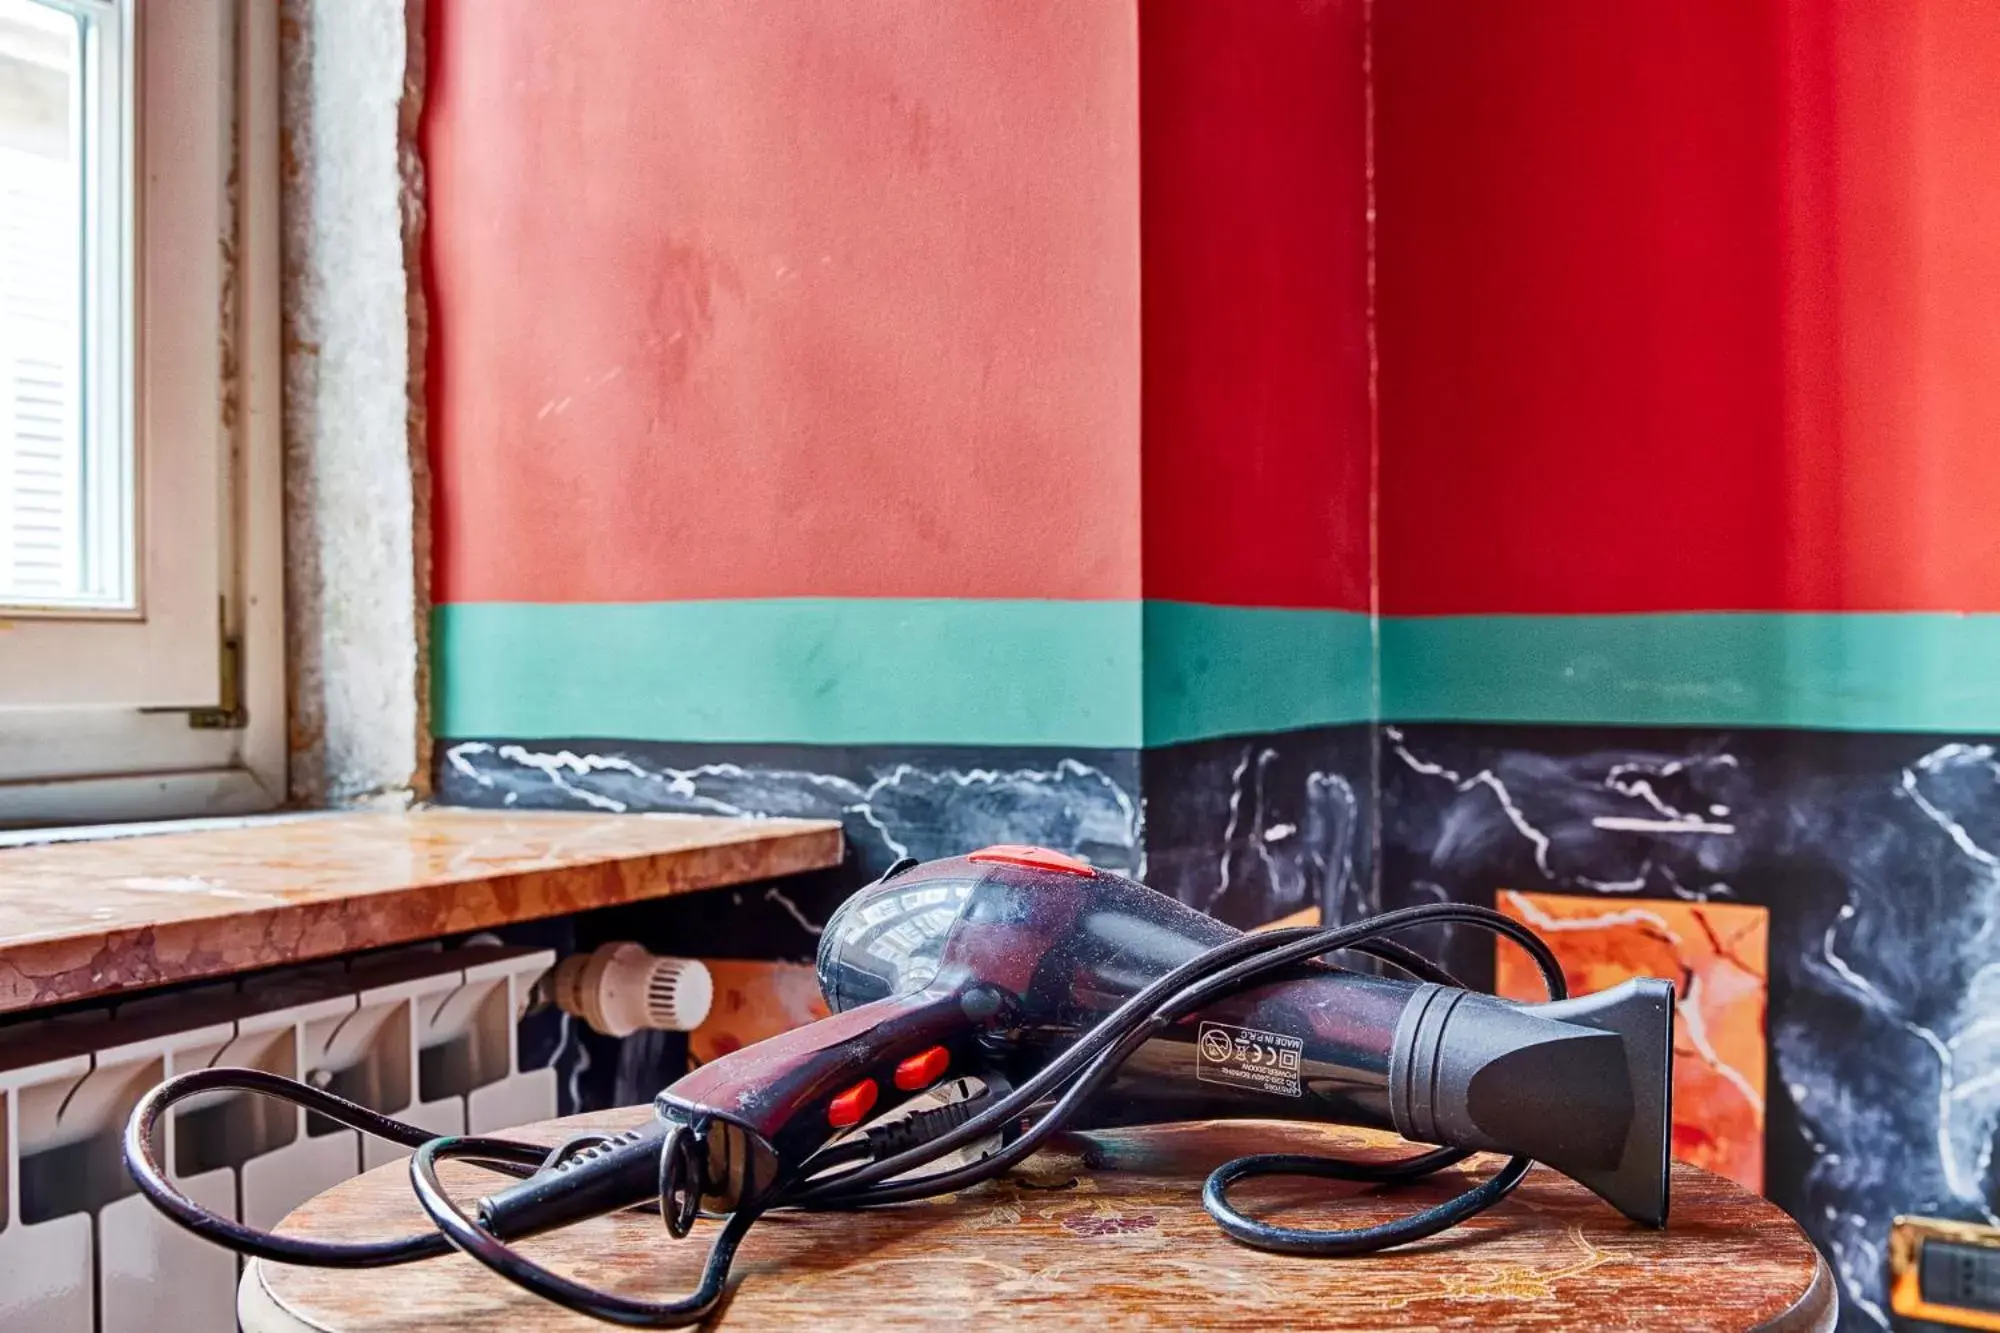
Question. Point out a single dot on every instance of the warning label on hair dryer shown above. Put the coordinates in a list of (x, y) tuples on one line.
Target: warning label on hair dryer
[(1247, 1058)]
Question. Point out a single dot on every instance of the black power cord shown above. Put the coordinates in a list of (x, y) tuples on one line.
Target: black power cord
[(1044, 1102)]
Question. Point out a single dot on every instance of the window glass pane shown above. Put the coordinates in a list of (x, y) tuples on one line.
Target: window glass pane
[(65, 509)]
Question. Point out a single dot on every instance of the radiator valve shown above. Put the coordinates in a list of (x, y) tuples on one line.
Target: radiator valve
[(619, 988)]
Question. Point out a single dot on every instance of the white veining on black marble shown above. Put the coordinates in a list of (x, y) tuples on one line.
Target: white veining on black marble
[(793, 910), (1322, 854), (1620, 799), (1251, 829), (897, 809), (1879, 859), (572, 1061)]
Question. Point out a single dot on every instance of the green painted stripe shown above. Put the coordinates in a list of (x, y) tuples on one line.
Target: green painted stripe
[(1915, 671), (868, 671), (885, 671), (831, 671), (1234, 670)]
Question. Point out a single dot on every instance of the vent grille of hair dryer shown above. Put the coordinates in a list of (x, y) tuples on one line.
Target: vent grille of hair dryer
[(620, 988)]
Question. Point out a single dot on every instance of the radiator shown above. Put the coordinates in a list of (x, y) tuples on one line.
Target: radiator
[(427, 1035)]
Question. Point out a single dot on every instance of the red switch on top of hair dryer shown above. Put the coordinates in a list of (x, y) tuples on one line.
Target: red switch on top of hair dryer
[(1033, 858)]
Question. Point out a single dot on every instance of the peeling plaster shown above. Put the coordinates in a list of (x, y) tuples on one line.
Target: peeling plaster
[(357, 487)]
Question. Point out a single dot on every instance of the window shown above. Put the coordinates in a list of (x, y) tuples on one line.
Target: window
[(65, 491), (139, 569)]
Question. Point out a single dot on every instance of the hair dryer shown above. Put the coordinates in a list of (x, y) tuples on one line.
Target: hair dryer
[(1080, 998), (994, 963)]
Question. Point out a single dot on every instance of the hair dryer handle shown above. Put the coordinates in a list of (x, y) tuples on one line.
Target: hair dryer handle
[(761, 1111), (770, 1106)]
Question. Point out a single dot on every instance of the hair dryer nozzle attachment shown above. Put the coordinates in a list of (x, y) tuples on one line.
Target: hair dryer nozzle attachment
[(1584, 1085)]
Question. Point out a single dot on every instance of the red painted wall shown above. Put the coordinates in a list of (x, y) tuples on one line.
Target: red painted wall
[(748, 300), (1255, 246), (1688, 305)]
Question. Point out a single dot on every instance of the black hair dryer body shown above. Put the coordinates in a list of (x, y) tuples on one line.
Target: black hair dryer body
[(991, 964)]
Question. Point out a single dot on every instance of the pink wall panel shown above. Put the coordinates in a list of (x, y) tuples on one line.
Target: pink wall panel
[(747, 300)]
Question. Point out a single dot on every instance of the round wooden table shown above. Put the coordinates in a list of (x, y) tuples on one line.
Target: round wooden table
[(1105, 1230)]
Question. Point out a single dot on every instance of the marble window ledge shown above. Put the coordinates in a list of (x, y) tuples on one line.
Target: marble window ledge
[(87, 918)]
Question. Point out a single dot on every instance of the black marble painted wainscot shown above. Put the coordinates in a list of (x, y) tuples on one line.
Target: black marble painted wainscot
[(1878, 858)]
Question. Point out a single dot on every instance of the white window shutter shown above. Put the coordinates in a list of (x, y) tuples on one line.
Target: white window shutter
[(40, 376)]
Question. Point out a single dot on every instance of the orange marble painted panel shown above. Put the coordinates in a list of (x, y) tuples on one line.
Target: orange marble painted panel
[(1716, 954), (755, 1000)]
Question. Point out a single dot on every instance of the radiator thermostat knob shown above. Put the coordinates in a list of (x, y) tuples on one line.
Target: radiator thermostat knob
[(620, 988)]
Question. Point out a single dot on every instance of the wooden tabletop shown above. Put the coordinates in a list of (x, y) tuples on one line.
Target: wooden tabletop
[(79, 919), (1106, 1232)]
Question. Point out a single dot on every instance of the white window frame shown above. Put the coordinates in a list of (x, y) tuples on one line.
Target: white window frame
[(178, 708)]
